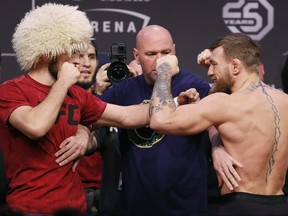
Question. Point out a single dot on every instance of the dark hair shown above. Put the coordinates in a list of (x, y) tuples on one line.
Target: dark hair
[(240, 46), (95, 46)]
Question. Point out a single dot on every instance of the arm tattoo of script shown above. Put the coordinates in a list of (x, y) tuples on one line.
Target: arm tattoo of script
[(162, 89)]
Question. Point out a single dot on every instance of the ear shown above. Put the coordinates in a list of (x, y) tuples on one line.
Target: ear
[(174, 49), (136, 55), (236, 66)]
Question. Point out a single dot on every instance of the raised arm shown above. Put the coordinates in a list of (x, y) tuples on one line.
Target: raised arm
[(164, 117), (36, 121), (187, 119)]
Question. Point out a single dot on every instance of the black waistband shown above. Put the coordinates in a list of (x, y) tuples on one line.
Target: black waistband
[(247, 197)]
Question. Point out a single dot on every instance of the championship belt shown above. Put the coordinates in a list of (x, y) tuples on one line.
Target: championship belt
[(144, 137)]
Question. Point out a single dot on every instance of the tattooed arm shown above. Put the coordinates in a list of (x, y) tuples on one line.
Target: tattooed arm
[(186, 119), (161, 95), (162, 105)]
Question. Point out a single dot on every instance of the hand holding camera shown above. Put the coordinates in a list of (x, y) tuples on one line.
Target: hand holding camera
[(102, 80), (118, 70)]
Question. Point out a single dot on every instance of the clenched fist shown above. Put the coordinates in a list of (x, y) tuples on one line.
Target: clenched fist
[(189, 96), (168, 63), (69, 74), (203, 58)]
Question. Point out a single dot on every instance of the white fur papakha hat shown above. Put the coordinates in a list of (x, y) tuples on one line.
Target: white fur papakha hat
[(50, 30)]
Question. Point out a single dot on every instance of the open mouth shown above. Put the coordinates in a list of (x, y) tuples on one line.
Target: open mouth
[(85, 73)]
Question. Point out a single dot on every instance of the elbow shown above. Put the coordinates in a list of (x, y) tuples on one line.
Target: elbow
[(35, 133), (35, 136), (157, 125)]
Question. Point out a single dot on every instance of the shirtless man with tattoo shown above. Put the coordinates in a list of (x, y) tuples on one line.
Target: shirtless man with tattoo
[(252, 121)]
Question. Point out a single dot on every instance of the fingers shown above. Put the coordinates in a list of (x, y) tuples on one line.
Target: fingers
[(233, 170), (234, 177), (229, 175), (65, 155), (203, 58), (68, 73), (236, 163), (66, 158), (189, 96), (225, 165), (70, 149), (193, 95), (220, 181), (62, 147), (104, 67), (226, 180), (75, 165), (132, 71), (171, 60), (102, 80)]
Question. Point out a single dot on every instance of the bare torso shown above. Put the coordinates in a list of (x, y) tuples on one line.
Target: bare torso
[(257, 136)]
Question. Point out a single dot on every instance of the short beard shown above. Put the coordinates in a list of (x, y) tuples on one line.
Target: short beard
[(88, 84), (84, 85), (223, 85), (53, 69)]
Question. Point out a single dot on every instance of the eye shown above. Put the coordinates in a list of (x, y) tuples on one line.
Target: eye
[(151, 54), (166, 52), (92, 57)]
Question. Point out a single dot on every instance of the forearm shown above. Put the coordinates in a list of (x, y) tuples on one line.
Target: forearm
[(214, 137), (92, 144), (133, 116), (91, 139), (36, 121), (99, 137), (49, 108), (162, 101)]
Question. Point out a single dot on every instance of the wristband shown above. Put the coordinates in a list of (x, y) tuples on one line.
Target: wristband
[(176, 102)]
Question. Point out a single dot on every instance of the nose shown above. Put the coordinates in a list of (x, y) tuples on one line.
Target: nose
[(210, 72), (86, 61), (159, 55)]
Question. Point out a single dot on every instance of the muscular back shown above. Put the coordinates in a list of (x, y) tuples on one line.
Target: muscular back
[(256, 134)]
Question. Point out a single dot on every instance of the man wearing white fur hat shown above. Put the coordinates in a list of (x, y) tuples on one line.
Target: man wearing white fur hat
[(41, 108)]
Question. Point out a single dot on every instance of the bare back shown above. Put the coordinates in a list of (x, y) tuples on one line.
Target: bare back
[(257, 136)]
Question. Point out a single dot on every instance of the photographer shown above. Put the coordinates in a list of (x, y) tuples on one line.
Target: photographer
[(105, 77)]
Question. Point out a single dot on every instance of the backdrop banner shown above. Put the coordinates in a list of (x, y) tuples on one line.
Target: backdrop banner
[(193, 25)]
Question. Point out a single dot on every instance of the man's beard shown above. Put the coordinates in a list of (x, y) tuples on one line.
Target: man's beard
[(87, 84), (53, 68), (84, 85), (223, 85)]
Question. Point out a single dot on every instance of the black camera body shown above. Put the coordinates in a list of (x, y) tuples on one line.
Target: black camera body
[(118, 70)]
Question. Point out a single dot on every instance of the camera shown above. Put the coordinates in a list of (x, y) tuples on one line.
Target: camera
[(118, 70)]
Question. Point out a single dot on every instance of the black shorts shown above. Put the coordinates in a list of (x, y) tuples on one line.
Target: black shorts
[(251, 204)]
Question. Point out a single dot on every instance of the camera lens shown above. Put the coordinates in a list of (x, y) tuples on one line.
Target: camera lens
[(117, 72)]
